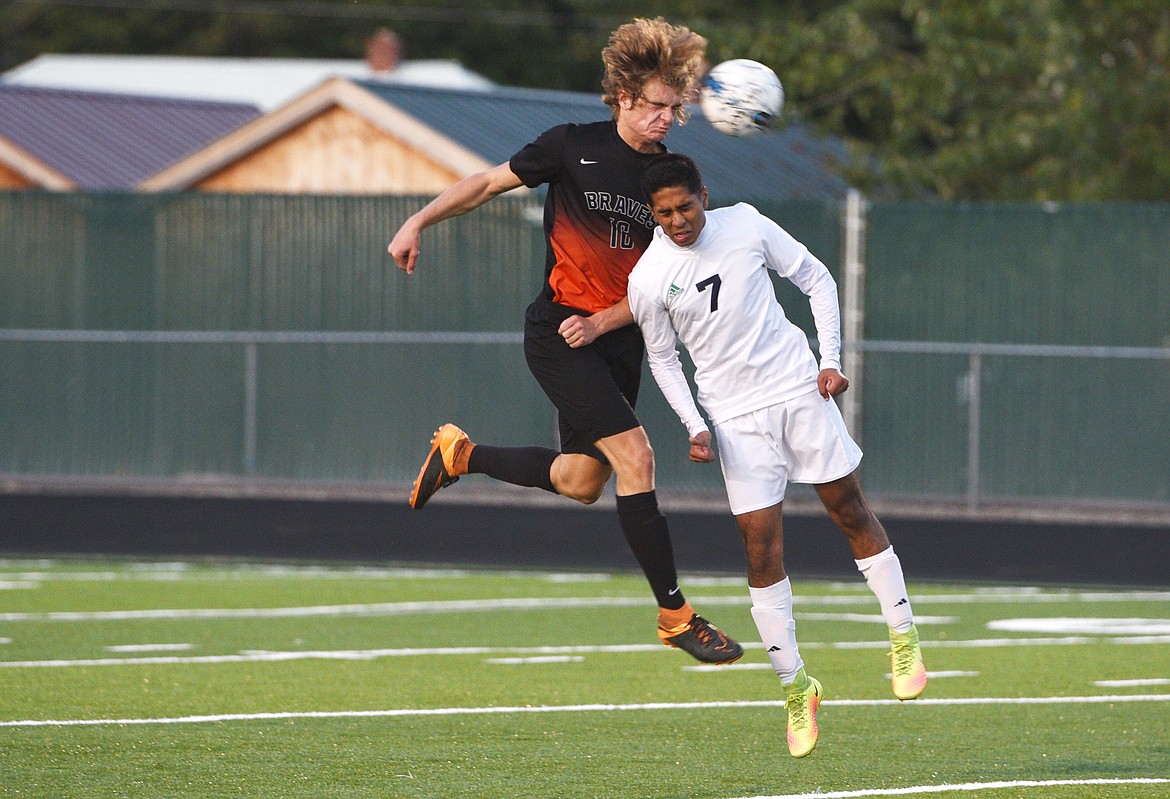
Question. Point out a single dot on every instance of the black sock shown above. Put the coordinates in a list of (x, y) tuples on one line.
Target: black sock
[(522, 466), (649, 538)]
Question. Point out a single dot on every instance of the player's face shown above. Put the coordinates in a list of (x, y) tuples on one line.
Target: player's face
[(643, 123), (680, 213)]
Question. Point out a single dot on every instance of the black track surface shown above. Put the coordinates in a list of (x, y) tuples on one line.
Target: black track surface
[(549, 537)]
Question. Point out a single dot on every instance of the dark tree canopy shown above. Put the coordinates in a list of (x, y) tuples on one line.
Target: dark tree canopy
[(1002, 100)]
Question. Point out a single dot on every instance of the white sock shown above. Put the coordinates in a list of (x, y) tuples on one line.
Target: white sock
[(772, 613), (883, 574)]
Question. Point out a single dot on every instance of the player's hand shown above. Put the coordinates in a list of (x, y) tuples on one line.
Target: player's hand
[(404, 248), (831, 383), (701, 450), (579, 331)]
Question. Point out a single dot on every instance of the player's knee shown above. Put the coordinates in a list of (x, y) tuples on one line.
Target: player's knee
[(585, 493), (583, 485), (638, 464), (590, 498)]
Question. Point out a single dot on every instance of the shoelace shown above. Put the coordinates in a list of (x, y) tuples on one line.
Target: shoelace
[(707, 633), (798, 713), (903, 659)]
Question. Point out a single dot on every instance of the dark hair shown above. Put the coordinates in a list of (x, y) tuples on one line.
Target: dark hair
[(669, 170)]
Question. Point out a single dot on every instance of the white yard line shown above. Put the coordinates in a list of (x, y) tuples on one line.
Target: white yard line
[(536, 660), (418, 607), (1082, 625), (267, 656), (966, 787), (149, 647), (365, 609), (527, 603), (594, 708)]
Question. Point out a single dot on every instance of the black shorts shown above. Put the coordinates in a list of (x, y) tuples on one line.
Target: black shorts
[(594, 388)]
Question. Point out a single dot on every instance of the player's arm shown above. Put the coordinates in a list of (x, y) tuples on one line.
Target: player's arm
[(701, 449), (672, 382), (813, 278), (466, 195), (830, 382), (581, 331), (790, 258), (662, 355)]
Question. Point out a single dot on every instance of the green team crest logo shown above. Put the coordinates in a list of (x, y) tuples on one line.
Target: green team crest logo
[(673, 292)]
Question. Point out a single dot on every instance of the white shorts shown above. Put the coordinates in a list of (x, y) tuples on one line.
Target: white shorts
[(802, 440)]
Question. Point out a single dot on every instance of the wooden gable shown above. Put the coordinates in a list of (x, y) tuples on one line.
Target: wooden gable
[(19, 169), (335, 152), (336, 139)]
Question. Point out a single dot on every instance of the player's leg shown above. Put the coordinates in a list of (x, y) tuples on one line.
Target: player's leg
[(824, 454), (756, 477), (848, 509), (594, 390), (564, 374), (648, 535), (453, 455), (879, 564)]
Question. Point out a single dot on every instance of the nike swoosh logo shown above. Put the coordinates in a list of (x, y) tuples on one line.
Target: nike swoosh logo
[(674, 590), (583, 161)]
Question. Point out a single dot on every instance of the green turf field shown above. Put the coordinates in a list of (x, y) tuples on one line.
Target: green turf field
[(214, 679)]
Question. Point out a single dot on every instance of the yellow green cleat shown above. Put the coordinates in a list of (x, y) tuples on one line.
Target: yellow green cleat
[(802, 698), (909, 672)]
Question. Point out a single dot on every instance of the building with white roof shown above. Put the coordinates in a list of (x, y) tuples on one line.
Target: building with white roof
[(266, 83)]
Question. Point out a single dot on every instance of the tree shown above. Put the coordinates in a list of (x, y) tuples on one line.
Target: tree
[(1003, 100), (1062, 100)]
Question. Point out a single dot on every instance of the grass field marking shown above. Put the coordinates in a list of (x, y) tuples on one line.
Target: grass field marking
[(942, 675), (975, 643), (995, 597), (593, 708), (363, 609), (516, 603), (1091, 626), (268, 656), (1131, 683), (149, 647), (872, 618), (535, 660), (715, 668), (408, 608), (727, 668), (966, 787)]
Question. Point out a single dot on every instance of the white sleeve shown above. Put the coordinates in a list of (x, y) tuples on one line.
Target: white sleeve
[(662, 354), (790, 258), (814, 279)]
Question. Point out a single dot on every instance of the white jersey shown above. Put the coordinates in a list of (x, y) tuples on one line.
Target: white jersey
[(716, 297)]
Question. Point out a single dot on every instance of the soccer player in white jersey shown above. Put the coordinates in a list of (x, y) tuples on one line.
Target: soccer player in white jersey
[(704, 280)]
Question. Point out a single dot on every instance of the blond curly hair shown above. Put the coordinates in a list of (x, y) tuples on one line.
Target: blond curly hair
[(652, 48)]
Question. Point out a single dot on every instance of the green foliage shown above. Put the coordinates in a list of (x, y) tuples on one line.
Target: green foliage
[(1006, 100), (1028, 100)]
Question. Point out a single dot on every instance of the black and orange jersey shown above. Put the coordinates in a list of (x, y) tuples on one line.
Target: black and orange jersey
[(595, 221)]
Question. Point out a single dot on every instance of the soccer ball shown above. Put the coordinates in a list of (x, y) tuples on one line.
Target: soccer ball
[(741, 97)]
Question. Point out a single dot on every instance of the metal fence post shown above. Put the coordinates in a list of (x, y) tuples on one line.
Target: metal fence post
[(974, 408), (250, 404), (853, 311)]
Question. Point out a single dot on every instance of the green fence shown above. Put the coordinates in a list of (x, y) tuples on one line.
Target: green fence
[(192, 335)]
